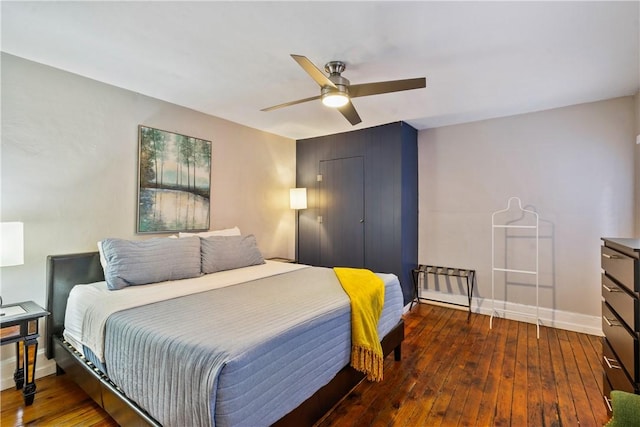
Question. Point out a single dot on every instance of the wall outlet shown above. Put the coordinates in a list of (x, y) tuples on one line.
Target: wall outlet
[(638, 139)]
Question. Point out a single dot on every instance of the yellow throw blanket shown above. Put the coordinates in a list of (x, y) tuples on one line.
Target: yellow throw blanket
[(366, 292)]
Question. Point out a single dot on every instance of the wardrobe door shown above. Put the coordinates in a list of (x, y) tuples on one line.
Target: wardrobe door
[(341, 221)]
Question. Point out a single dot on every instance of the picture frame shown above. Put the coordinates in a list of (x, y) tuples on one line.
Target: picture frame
[(174, 182)]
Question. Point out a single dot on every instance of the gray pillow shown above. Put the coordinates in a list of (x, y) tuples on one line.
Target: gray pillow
[(149, 261), (228, 252)]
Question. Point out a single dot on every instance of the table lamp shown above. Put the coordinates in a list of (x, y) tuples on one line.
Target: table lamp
[(11, 245)]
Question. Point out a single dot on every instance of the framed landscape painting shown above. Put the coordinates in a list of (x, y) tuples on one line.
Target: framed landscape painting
[(174, 182)]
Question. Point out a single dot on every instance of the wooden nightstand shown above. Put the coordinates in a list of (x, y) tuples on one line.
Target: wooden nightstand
[(19, 324)]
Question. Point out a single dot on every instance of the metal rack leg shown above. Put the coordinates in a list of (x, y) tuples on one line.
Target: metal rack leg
[(414, 276), (470, 289)]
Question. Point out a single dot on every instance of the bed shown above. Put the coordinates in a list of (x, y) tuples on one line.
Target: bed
[(309, 399)]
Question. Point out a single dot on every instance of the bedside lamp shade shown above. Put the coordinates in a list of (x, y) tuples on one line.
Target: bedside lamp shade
[(298, 198), (11, 244)]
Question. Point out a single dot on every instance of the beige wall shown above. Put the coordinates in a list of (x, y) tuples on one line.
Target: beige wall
[(573, 165), (69, 172), (69, 168), (637, 176)]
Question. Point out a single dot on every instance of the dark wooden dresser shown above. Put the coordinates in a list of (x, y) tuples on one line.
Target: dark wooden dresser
[(621, 315)]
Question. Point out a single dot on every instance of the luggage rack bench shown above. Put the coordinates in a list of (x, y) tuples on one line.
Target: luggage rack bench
[(423, 270)]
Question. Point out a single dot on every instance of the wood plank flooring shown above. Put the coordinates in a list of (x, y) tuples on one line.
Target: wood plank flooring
[(455, 372)]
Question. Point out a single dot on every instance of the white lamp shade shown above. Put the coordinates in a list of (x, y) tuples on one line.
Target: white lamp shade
[(11, 244), (298, 198)]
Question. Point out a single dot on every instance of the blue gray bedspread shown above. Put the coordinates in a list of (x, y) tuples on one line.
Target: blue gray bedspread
[(254, 352)]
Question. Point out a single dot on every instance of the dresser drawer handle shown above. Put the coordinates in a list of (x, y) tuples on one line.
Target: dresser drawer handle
[(607, 402), (613, 289), (611, 365), (611, 322), (610, 256)]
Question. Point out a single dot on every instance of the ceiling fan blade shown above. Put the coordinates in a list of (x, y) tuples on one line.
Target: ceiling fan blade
[(286, 104), (313, 71), (378, 88), (350, 113)]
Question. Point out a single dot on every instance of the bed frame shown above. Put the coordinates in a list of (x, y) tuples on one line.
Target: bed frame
[(66, 271)]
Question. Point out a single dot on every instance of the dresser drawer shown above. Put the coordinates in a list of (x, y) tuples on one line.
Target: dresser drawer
[(623, 343), (623, 302), (621, 267), (613, 369)]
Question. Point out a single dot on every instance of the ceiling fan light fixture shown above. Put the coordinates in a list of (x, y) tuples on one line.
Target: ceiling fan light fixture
[(336, 91), (335, 99)]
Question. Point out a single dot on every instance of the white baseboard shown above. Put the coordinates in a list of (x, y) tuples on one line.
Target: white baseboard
[(569, 321), (44, 367)]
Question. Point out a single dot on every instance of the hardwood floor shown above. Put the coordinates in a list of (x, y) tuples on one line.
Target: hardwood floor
[(455, 372), (58, 402)]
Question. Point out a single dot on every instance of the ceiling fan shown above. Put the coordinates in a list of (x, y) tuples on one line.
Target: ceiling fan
[(336, 91)]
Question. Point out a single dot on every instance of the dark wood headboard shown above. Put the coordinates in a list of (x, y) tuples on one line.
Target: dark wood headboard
[(63, 273)]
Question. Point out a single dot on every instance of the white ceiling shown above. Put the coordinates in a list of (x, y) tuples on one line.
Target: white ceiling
[(230, 59)]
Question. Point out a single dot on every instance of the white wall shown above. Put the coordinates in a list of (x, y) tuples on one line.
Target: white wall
[(573, 165), (69, 169)]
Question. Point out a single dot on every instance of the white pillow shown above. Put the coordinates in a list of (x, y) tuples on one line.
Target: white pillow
[(103, 259), (235, 231)]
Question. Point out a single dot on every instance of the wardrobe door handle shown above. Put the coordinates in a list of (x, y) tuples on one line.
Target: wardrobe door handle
[(608, 362), (610, 256)]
